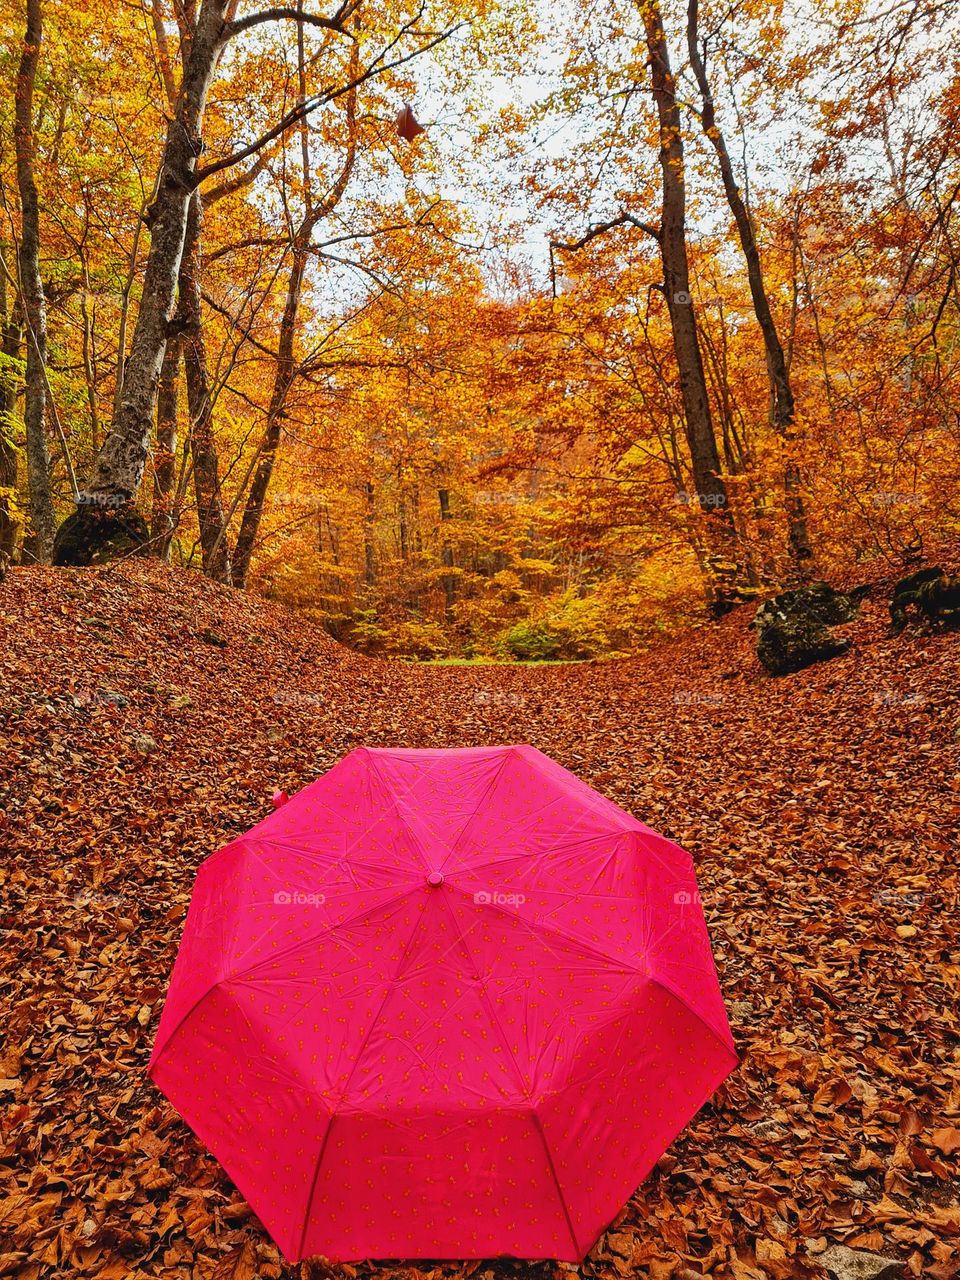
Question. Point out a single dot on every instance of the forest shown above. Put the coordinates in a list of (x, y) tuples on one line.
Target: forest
[(650, 311)]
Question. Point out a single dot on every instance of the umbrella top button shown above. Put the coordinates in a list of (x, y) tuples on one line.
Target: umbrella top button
[(435, 879)]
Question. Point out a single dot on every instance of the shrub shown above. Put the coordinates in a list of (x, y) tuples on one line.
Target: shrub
[(530, 642)]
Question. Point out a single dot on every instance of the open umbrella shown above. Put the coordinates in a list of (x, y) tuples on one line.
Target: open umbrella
[(444, 1004)]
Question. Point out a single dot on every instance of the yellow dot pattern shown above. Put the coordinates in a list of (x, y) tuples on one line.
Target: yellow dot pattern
[(392, 1068)]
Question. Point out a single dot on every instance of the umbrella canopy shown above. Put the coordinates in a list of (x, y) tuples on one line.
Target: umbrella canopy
[(444, 1004)]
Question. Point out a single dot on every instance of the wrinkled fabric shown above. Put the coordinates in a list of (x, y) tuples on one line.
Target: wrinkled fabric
[(443, 1004)]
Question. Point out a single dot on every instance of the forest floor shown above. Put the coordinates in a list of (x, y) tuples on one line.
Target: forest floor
[(149, 714)]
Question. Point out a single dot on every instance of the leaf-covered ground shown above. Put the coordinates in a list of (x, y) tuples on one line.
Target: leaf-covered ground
[(148, 716)]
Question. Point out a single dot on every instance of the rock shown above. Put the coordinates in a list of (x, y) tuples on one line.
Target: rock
[(96, 534), (793, 628), (855, 1264), (110, 695), (767, 1130), (933, 593)]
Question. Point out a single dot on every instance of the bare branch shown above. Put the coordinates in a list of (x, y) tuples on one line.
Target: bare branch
[(335, 23), (601, 228), (318, 100)]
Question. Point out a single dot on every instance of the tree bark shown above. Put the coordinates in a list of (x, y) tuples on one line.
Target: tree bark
[(39, 543), (115, 478), (446, 556), (10, 339), (283, 379), (704, 457), (711, 494), (203, 446), (782, 406), (370, 573), (165, 452)]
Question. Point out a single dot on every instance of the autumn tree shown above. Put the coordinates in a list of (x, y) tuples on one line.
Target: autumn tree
[(105, 511)]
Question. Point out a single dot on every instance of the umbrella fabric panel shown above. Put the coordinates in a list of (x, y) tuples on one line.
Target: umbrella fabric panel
[(544, 990), (530, 810), (674, 932), (252, 1105), (200, 959), (395, 1185), (635, 1085)]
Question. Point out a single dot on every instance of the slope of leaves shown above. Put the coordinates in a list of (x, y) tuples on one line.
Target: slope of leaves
[(148, 716)]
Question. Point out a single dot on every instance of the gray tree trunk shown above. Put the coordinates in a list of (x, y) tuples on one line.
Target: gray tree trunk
[(10, 339), (283, 379), (165, 452), (711, 495), (704, 456), (782, 407), (446, 556), (203, 447), (286, 369), (39, 543), (105, 509)]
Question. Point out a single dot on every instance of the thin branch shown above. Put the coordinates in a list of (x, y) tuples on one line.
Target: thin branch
[(318, 100), (335, 23), (601, 228)]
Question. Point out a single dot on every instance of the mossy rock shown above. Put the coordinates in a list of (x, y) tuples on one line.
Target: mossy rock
[(794, 627), (933, 596), (97, 535)]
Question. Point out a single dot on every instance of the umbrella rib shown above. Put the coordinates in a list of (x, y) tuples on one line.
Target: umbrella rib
[(664, 985), (538, 1125), (327, 929), (343, 1093), (485, 997), (488, 791), (313, 1184), (561, 852), (569, 939)]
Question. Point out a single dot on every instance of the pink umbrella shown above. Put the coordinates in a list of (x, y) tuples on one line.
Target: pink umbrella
[(443, 1004)]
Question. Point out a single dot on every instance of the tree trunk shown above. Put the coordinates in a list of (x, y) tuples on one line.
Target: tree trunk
[(165, 451), (370, 575), (203, 447), (10, 338), (676, 273), (704, 457), (286, 369), (39, 543), (105, 511), (446, 556), (283, 378), (782, 407)]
